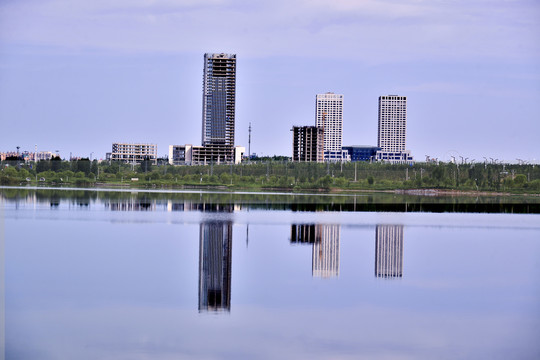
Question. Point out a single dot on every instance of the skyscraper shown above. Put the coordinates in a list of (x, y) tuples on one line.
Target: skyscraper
[(219, 98), (392, 129), (329, 116)]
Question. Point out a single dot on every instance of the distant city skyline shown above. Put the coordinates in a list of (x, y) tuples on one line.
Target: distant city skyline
[(78, 78)]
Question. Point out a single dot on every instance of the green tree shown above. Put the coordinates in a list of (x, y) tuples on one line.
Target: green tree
[(438, 175), (56, 163), (9, 176), (520, 180), (83, 165), (23, 174), (145, 166), (43, 165), (94, 167)]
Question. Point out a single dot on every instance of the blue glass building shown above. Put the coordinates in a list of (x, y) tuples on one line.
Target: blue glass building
[(361, 152)]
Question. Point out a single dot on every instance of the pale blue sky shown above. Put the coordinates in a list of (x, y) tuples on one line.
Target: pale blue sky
[(76, 76)]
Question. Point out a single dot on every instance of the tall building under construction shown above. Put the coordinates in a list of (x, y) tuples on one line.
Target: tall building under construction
[(308, 143), (218, 115)]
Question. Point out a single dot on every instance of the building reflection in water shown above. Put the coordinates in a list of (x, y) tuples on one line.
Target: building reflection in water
[(389, 251), (325, 246), (215, 261), (131, 205), (137, 204), (2, 284)]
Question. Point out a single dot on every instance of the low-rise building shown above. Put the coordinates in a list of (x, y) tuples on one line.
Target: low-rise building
[(28, 156), (133, 153), (360, 152), (398, 157), (204, 155)]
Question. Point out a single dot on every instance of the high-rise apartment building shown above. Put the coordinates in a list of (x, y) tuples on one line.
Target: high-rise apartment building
[(308, 143), (218, 117), (329, 116), (392, 129)]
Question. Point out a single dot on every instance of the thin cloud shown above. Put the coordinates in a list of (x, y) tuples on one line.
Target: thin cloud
[(372, 31)]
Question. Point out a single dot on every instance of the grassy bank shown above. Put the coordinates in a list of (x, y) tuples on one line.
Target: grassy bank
[(280, 175)]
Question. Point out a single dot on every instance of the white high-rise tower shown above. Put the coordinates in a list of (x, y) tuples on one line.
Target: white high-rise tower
[(329, 116), (392, 129)]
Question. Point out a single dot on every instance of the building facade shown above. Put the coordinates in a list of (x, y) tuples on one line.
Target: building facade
[(133, 153), (28, 156), (392, 130), (329, 117), (360, 152), (219, 99), (308, 143), (201, 155)]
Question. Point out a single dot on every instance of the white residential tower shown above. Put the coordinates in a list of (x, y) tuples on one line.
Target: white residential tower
[(392, 129), (329, 116)]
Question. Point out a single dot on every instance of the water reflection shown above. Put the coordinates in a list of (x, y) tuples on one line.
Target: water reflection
[(130, 205), (215, 261), (389, 251), (326, 252), (2, 285), (138, 199), (325, 240)]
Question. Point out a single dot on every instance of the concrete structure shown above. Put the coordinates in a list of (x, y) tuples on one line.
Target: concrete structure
[(218, 117), (219, 99), (389, 251), (133, 153), (215, 262), (180, 154), (329, 117), (392, 130), (200, 155), (360, 152), (308, 143), (239, 152)]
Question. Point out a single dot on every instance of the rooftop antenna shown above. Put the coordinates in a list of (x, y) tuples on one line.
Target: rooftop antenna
[(249, 143)]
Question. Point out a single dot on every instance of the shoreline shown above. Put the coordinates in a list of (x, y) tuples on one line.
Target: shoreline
[(105, 187)]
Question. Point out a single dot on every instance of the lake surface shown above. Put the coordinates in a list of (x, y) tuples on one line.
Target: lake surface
[(202, 275)]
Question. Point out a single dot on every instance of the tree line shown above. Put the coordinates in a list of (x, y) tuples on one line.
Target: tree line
[(277, 173)]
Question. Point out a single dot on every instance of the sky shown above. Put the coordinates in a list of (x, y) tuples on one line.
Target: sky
[(76, 76)]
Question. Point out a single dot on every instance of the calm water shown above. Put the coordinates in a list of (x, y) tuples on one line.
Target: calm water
[(136, 275)]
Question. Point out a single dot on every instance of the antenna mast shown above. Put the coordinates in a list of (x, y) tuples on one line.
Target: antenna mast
[(249, 143)]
